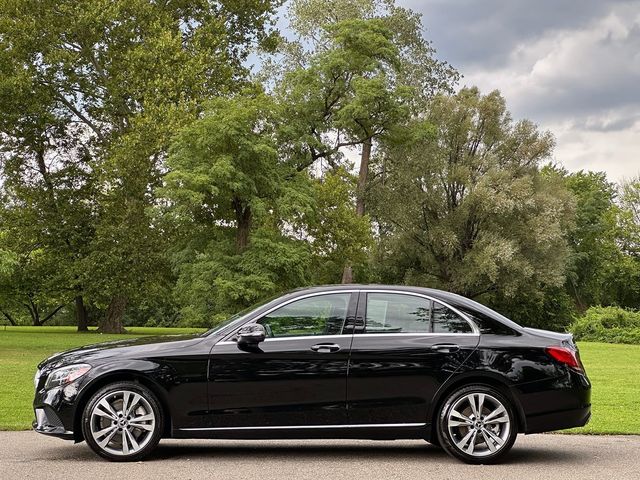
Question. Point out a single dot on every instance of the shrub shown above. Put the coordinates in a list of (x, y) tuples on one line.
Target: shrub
[(608, 324)]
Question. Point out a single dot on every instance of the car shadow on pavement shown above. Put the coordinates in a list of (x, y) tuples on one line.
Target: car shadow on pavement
[(344, 453), (275, 451)]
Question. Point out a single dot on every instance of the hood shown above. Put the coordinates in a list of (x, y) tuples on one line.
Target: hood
[(150, 345)]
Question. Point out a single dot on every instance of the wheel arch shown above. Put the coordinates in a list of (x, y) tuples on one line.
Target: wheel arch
[(119, 376), (473, 378)]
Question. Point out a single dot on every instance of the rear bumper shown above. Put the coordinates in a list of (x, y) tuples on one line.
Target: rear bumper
[(578, 417), (556, 404)]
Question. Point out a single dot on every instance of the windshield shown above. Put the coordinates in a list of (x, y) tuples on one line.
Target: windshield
[(240, 315)]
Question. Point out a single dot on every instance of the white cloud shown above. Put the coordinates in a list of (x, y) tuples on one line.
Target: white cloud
[(583, 86)]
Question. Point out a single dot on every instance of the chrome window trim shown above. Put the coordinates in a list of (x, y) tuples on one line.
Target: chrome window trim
[(348, 335), (426, 334), (302, 427), (474, 327)]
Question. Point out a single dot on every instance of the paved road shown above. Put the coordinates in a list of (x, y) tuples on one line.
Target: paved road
[(26, 455)]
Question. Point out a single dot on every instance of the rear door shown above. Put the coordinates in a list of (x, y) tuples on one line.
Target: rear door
[(296, 376), (404, 347)]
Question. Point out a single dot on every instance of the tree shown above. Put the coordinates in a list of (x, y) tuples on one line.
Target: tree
[(464, 206), (103, 86), (624, 280), (367, 68), (593, 240), (236, 205), (629, 200)]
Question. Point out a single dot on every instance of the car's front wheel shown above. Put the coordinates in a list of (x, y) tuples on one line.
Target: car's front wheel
[(123, 421), (477, 425)]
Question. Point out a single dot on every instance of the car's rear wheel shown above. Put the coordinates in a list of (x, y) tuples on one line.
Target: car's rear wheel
[(477, 424), (123, 421)]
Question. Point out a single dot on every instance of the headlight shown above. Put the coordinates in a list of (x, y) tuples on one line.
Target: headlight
[(65, 375)]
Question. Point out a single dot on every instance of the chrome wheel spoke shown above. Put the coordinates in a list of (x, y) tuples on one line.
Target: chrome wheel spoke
[(105, 441), (461, 444), (142, 418), (480, 403), (134, 444), (491, 418), (134, 403), (488, 440), (142, 426), (457, 419), (125, 402), (476, 408), (499, 441), (472, 442), (105, 410), (105, 431), (125, 446)]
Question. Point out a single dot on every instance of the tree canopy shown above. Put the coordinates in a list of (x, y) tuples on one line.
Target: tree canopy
[(150, 175)]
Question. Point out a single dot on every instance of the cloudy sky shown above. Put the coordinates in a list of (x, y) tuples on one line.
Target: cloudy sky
[(572, 66)]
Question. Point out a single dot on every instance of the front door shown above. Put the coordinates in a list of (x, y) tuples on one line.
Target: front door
[(295, 377), (409, 346)]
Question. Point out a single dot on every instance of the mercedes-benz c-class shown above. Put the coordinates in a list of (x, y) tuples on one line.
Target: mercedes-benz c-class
[(352, 361)]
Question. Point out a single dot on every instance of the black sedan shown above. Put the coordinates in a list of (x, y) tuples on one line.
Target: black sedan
[(372, 362)]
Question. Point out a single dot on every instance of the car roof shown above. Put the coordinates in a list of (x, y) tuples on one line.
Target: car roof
[(433, 292)]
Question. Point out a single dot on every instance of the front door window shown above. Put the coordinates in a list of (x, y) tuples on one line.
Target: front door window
[(317, 315)]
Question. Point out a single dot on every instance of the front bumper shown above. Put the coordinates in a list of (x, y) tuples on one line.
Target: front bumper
[(55, 410), (48, 422)]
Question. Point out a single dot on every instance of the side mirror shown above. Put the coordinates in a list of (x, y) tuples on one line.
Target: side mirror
[(251, 335)]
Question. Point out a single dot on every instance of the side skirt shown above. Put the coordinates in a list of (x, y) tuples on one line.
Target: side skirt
[(388, 431)]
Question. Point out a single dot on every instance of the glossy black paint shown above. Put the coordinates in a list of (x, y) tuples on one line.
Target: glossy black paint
[(370, 386)]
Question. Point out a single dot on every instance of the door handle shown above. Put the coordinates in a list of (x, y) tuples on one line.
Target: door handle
[(445, 347), (325, 347)]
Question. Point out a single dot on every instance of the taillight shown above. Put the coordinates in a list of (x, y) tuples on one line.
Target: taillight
[(567, 356)]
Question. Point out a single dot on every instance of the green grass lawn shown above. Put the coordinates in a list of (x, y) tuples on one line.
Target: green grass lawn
[(613, 369)]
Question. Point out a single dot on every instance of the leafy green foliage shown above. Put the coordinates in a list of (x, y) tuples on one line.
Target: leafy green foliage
[(466, 207), (92, 92), (594, 249), (145, 180), (608, 324), (236, 204), (338, 234)]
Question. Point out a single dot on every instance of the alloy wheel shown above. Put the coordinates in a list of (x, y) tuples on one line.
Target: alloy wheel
[(122, 422), (478, 424)]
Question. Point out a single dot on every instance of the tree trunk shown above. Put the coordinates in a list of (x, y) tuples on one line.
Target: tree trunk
[(347, 274), (243, 222), (81, 315), (363, 176), (8, 316), (112, 322), (33, 311)]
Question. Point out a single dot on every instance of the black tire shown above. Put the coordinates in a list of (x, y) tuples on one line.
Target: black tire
[(149, 436), (451, 433)]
